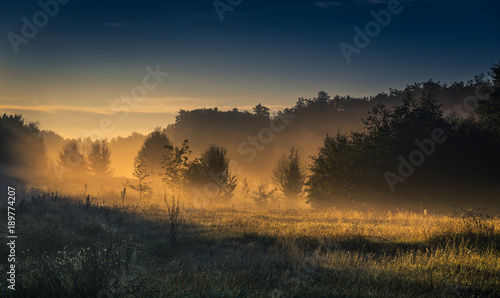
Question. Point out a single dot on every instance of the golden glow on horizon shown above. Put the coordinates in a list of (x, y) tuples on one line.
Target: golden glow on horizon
[(70, 121)]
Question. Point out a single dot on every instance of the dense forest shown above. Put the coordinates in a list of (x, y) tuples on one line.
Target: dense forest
[(430, 141)]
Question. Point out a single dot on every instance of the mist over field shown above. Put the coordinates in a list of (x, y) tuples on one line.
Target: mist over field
[(253, 142)]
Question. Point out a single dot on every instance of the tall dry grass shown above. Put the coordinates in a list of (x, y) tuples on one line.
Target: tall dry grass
[(127, 251)]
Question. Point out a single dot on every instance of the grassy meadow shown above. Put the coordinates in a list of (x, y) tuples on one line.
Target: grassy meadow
[(67, 250)]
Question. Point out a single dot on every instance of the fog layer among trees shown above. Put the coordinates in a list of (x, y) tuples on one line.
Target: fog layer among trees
[(431, 140)]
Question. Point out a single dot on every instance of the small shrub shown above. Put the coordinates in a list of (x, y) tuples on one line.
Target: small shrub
[(262, 196), (173, 212), (88, 272), (474, 218)]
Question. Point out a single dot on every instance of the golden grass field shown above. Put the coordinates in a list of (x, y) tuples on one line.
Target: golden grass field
[(126, 251)]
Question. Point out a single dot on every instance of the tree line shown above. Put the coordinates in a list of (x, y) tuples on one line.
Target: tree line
[(414, 150), (406, 145), (160, 163)]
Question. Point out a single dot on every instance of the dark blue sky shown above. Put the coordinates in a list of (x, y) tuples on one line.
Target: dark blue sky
[(92, 52)]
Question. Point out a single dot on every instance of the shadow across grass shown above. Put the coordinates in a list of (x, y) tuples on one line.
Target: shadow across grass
[(125, 251)]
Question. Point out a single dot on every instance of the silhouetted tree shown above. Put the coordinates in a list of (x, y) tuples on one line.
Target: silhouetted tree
[(153, 152), (289, 174), (21, 144), (261, 111), (140, 172), (333, 171), (489, 109), (176, 165), (213, 167), (245, 188), (72, 160), (99, 159)]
